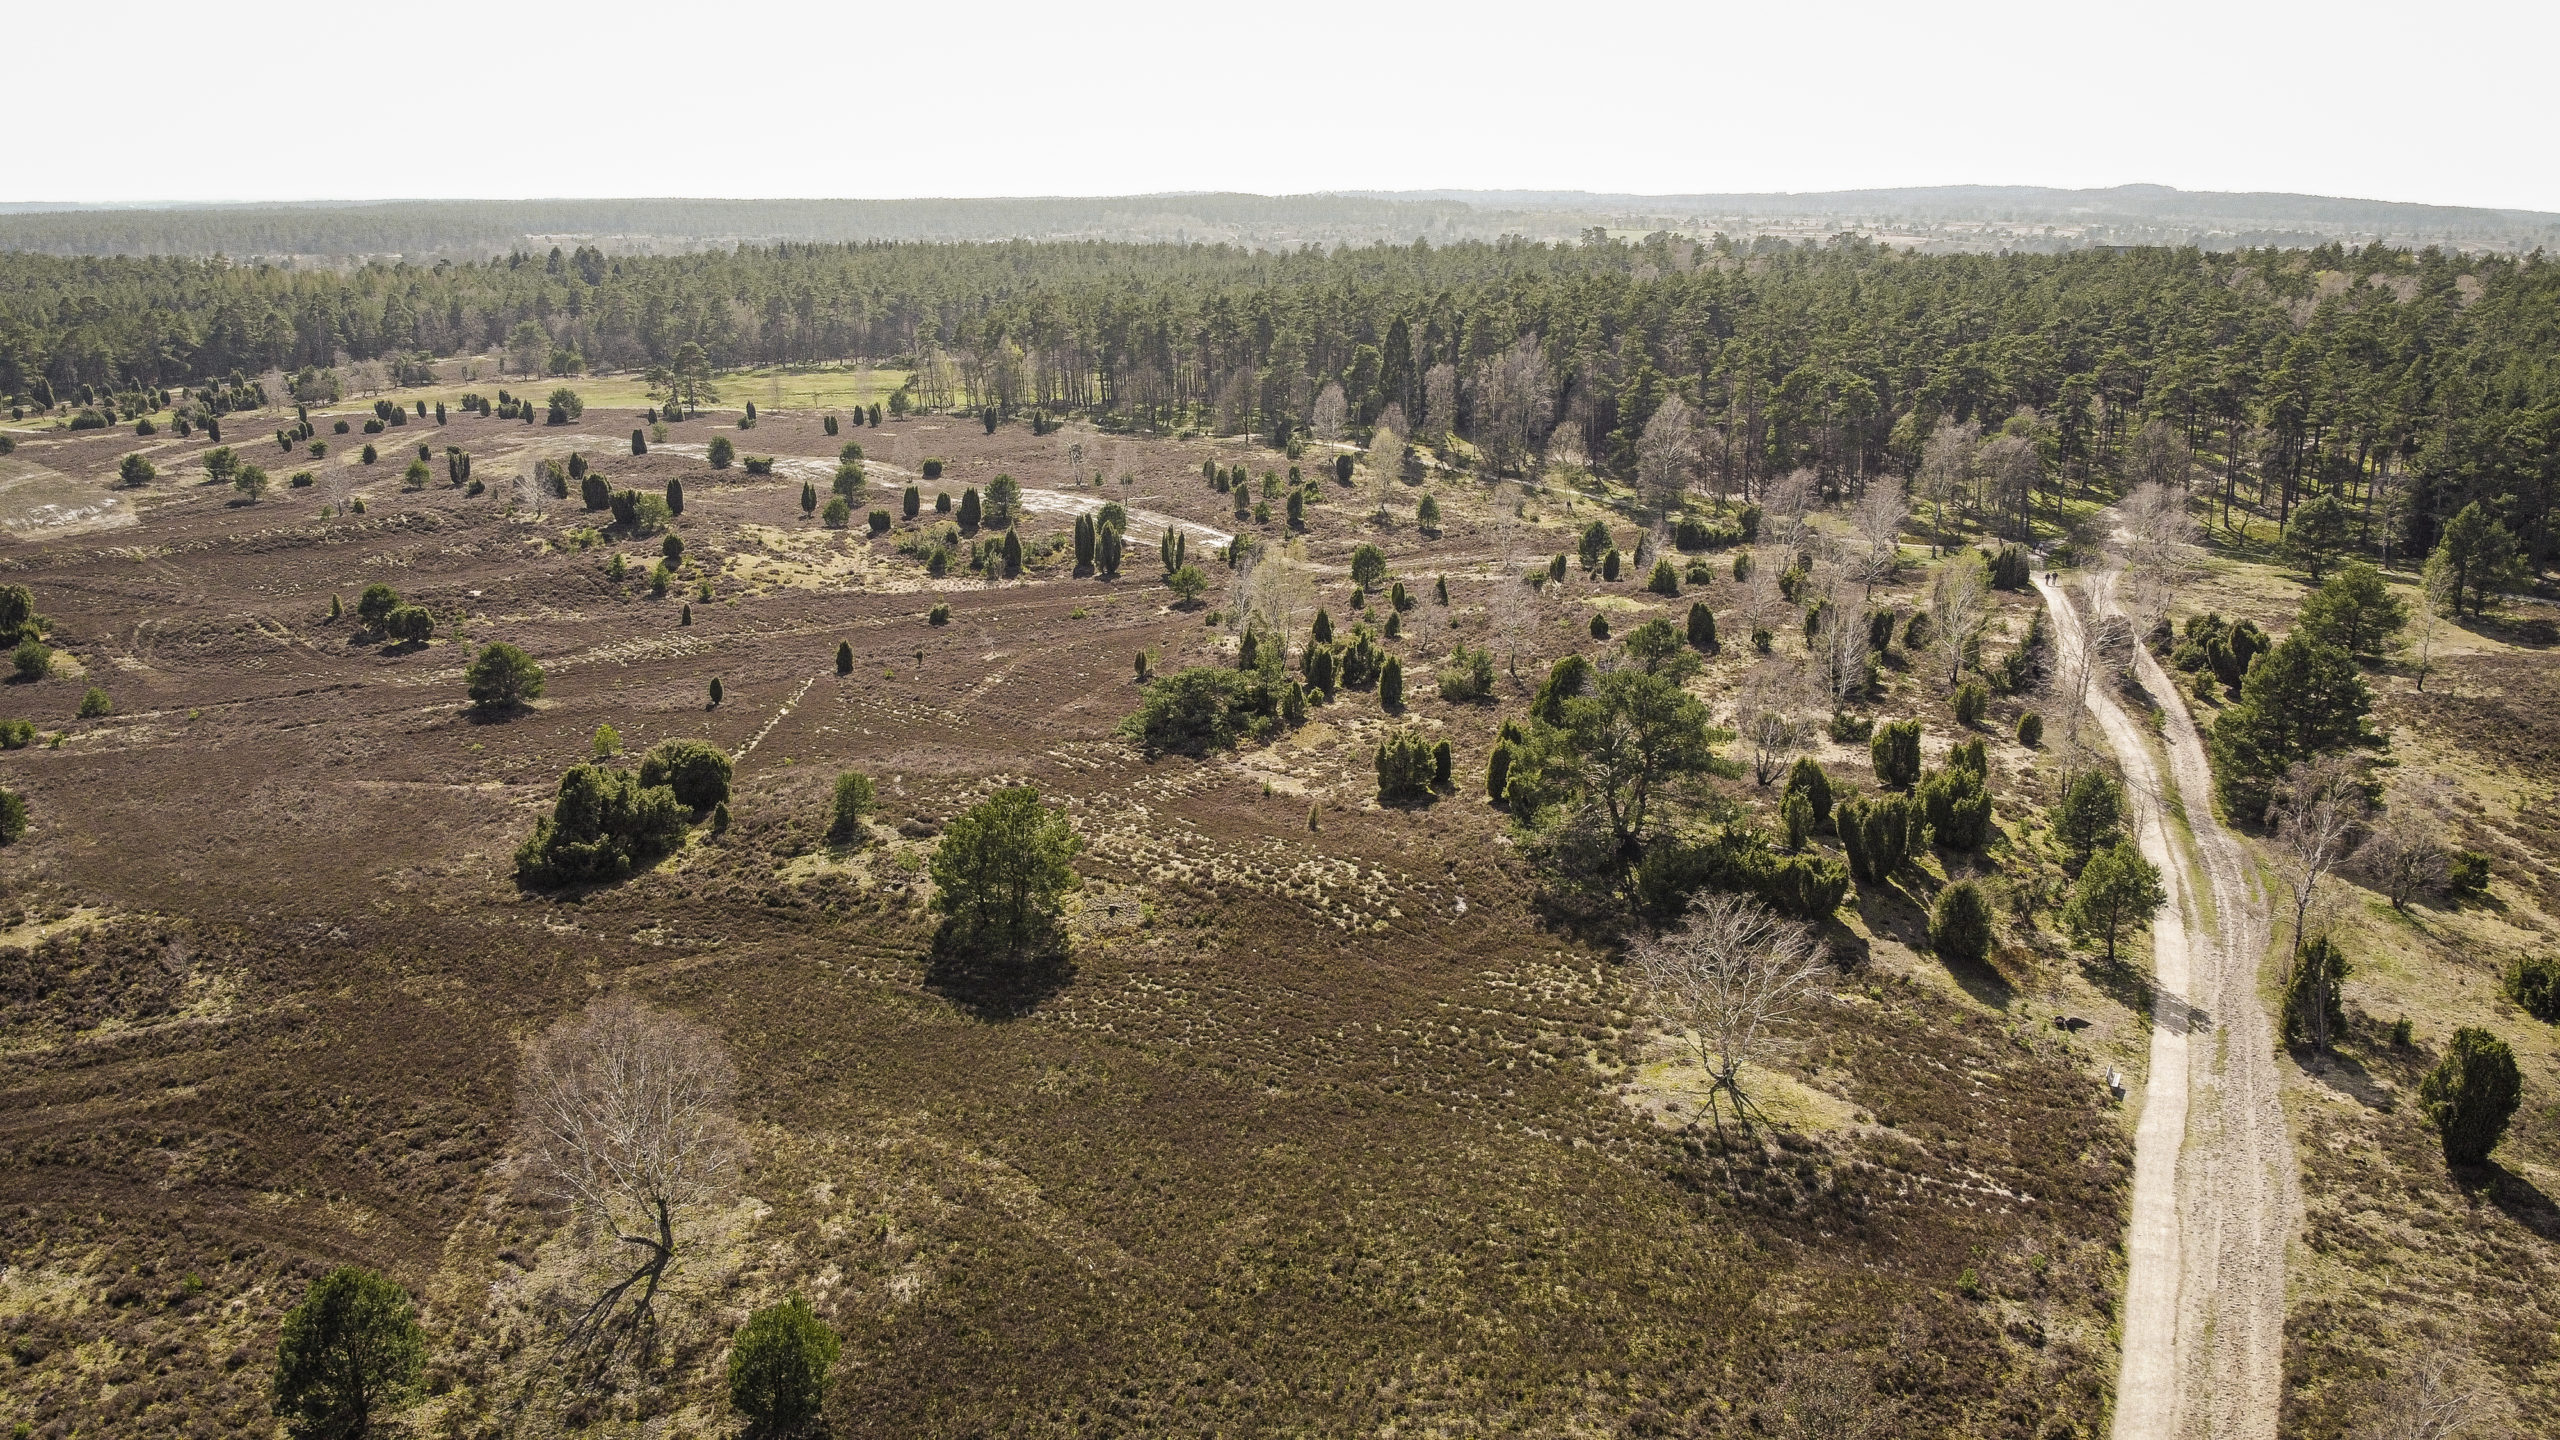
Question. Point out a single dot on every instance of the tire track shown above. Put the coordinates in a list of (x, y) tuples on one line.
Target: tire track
[(2214, 1191)]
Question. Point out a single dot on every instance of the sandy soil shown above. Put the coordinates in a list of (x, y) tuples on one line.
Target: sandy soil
[(2215, 1195)]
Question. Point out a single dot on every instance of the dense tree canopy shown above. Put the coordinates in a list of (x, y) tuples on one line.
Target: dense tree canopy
[(2308, 372)]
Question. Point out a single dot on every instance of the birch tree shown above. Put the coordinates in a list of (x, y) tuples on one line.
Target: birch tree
[(1326, 417), (1514, 400), (1726, 983), (1667, 457), (1959, 607), (623, 1115)]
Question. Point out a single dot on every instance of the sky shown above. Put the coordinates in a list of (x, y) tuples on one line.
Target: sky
[(298, 100)]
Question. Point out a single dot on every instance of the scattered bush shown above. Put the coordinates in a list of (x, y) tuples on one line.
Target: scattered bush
[(95, 705), (1467, 676), (1959, 809), (503, 677), (1201, 709), (722, 453), (855, 798), (778, 1364), (1405, 767), (13, 817), (2466, 876), (603, 824), (1972, 702), (2031, 729), (351, 1351), (1878, 835), (1895, 752), (33, 659), (1960, 924), (999, 870), (2533, 982), (695, 770), (2471, 1094)]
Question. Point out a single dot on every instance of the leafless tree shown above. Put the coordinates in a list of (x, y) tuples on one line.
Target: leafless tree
[(623, 1114), (1840, 650), (2014, 467), (1726, 982), (1513, 608), (1386, 460), (1514, 400), (1785, 502), (1946, 473), (1439, 404), (2317, 814), (1959, 607), (2437, 1396), (1878, 520), (1767, 720), (2159, 455), (1666, 456), (1329, 413), (1274, 588), (2158, 535), (2403, 854)]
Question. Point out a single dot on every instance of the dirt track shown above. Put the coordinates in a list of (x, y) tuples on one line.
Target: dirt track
[(2215, 1195)]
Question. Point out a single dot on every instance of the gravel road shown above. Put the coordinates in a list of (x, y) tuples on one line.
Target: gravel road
[(2215, 1198)]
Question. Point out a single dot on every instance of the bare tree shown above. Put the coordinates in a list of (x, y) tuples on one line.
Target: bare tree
[(1768, 724), (2014, 467), (2438, 1396), (1785, 502), (623, 1113), (1878, 521), (1959, 606), (1666, 456), (1840, 650), (1514, 609), (1385, 460), (1439, 404), (2159, 537), (1273, 589), (1726, 982), (2316, 815), (1514, 400), (1328, 413), (2159, 456), (2403, 853), (1946, 474)]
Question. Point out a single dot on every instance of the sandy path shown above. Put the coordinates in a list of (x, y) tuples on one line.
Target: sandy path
[(2214, 1197)]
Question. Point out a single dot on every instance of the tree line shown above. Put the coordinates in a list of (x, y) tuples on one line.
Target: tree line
[(2404, 385)]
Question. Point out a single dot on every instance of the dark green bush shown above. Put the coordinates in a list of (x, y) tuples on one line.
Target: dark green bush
[(778, 1364), (503, 677), (351, 1351), (1204, 708), (2533, 982), (2471, 1094), (603, 824), (697, 771), (1960, 924), (1405, 767)]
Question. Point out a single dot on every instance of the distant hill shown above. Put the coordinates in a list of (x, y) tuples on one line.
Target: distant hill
[(1937, 218)]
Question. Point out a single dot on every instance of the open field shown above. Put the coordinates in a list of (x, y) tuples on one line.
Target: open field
[(1291, 1144)]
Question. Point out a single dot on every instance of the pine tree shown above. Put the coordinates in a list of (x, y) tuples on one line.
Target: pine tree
[(808, 498), (675, 497), (844, 657), (639, 442)]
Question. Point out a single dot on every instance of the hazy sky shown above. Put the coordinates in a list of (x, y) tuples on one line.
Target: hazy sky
[(289, 99)]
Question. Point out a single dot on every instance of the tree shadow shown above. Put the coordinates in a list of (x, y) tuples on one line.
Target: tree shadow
[(2121, 983), (2344, 1073), (997, 987), (2517, 1197)]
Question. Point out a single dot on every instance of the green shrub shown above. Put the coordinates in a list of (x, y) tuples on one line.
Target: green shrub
[(17, 734), (409, 625), (1467, 676), (778, 1364), (1665, 580), (351, 1351), (1391, 685), (2031, 729), (1972, 702), (1807, 778), (13, 817), (1702, 627), (695, 770), (1878, 835), (1405, 767), (2090, 816), (2466, 876), (855, 798), (1960, 924), (1959, 809), (838, 514), (1895, 753), (2471, 1094), (502, 677), (2533, 982), (94, 704), (722, 452), (1201, 709), (33, 659), (603, 824), (1795, 812), (940, 614), (1599, 627), (2315, 1010)]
